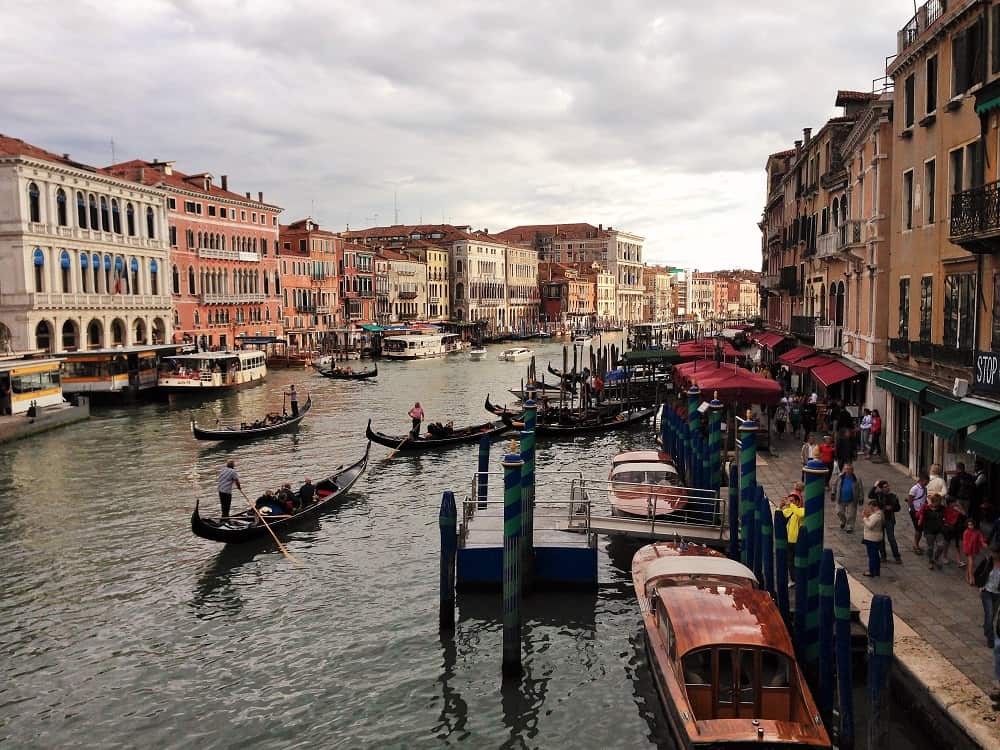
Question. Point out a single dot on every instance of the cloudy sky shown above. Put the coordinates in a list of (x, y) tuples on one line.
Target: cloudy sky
[(652, 116)]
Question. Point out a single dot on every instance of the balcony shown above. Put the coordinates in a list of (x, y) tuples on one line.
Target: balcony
[(769, 281), (826, 245), (975, 219), (789, 279), (224, 298), (849, 234), (803, 327), (82, 301), (899, 347), (407, 295), (322, 309), (828, 336), (927, 15), (950, 356)]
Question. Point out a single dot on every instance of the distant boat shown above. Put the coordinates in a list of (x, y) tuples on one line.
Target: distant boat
[(444, 439), (515, 355), (341, 374), (477, 354), (252, 430)]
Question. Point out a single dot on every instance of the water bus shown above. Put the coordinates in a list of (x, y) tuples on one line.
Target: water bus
[(119, 372), (212, 370), (422, 345), (27, 381)]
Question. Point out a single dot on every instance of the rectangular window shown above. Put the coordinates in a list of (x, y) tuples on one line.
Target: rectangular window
[(908, 199), (223, 212), (243, 215), (995, 34), (904, 309), (253, 217), (932, 74), (172, 204), (909, 106), (302, 246), (173, 236), (190, 207), (975, 165), (263, 246), (926, 307), (959, 309), (956, 161), (968, 55), (930, 188), (211, 210)]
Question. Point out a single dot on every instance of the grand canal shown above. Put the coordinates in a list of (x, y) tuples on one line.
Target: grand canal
[(121, 629)]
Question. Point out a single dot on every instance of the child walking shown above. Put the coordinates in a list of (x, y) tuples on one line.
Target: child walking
[(973, 542)]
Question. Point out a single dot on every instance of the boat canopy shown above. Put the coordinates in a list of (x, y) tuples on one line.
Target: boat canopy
[(697, 566)]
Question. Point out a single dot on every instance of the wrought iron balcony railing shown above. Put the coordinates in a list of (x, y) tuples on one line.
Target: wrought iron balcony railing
[(975, 213), (899, 347), (803, 326)]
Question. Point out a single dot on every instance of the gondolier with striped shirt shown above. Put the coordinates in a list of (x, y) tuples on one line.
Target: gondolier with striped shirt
[(227, 479)]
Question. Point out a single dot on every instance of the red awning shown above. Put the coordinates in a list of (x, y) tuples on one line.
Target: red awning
[(833, 373), (769, 340), (794, 355), (704, 349), (804, 365)]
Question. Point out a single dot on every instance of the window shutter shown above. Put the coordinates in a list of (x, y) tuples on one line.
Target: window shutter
[(959, 62)]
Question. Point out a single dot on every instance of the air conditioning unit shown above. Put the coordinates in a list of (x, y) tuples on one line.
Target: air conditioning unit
[(961, 388)]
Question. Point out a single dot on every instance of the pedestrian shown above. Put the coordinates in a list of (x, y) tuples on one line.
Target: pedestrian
[(795, 415), (849, 493), (228, 478), (844, 450), (793, 509), (962, 487), (872, 536), (916, 501), (989, 595), (809, 416), (951, 532), (890, 507), (827, 454), (598, 388), (931, 520), (417, 415), (293, 398), (866, 432), (876, 434), (936, 484), (973, 542), (780, 418), (808, 449)]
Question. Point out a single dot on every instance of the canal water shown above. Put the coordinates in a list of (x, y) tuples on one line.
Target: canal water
[(119, 628)]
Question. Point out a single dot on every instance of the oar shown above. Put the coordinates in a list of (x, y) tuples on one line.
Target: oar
[(253, 507), (396, 450)]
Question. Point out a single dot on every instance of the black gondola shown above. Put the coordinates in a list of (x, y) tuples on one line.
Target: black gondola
[(570, 378), (498, 410), (406, 443), (341, 375), (586, 425), (245, 526), (248, 432)]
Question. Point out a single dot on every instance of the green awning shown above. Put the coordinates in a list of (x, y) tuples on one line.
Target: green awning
[(647, 356), (371, 328), (947, 423), (901, 385), (985, 441), (940, 400), (988, 105)]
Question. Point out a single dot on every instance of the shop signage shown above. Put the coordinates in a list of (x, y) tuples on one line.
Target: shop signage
[(986, 372)]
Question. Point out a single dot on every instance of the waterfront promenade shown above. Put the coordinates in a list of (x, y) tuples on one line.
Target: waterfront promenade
[(938, 634)]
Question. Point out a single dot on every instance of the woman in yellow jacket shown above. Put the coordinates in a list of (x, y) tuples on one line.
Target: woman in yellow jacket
[(793, 508)]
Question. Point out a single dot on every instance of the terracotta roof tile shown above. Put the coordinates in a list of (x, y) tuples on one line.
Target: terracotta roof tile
[(10, 146), (154, 173)]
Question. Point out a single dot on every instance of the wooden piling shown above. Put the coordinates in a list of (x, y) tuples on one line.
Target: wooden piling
[(734, 512), (842, 643), (448, 525), (528, 489), (826, 659), (781, 565), (512, 465), (767, 542), (880, 634), (483, 477), (815, 473)]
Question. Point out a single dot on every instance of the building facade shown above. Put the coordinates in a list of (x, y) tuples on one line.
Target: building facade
[(356, 266), (407, 286), (568, 297), (85, 255), (310, 284), (657, 301)]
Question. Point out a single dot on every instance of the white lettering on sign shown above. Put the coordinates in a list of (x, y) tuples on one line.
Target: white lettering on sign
[(987, 366)]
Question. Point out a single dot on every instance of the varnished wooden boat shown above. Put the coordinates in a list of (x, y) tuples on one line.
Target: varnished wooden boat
[(245, 526), (597, 423), (341, 375), (722, 659), (406, 443), (246, 432)]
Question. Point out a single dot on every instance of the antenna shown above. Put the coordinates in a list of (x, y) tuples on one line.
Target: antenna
[(395, 207), (113, 160)]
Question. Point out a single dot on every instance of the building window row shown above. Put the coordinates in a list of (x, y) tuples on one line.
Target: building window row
[(94, 212), (85, 273)]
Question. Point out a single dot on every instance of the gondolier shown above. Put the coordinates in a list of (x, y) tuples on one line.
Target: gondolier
[(417, 415), (293, 397), (227, 479)]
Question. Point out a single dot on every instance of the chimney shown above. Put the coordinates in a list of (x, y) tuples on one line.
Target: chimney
[(600, 227), (225, 181), (807, 135), (260, 196), (798, 149), (248, 195), (207, 183), (66, 157)]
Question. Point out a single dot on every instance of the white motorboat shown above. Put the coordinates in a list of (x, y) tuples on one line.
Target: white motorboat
[(422, 346), (582, 340), (516, 354), (477, 354)]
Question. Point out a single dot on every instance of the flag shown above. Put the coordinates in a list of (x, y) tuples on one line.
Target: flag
[(118, 282)]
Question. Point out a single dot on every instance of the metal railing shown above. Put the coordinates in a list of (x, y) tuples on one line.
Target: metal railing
[(975, 212), (803, 326), (827, 245), (828, 336)]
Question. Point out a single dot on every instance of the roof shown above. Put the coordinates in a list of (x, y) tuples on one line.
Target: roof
[(851, 97), (644, 466), (405, 232), (10, 146), (577, 231), (640, 456), (697, 566), (154, 173)]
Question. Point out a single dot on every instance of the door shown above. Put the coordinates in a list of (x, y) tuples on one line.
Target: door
[(737, 684), (901, 421)]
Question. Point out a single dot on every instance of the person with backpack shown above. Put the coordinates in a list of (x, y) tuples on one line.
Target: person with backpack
[(951, 532), (890, 507), (931, 519)]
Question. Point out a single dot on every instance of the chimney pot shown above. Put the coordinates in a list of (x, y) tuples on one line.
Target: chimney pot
[(260, 196), (248, 195), (65, 156), (806, 134), (225, 181)]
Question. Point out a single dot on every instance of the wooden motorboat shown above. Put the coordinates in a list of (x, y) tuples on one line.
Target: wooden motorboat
[(341, 374), (570, 424), (425, 441), (270, 425), (245, 526), (721, 657), (515, 354), (645, 484)]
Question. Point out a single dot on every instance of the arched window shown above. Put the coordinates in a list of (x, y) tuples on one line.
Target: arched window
[(197, 318), (190, 238), (95, 265), (64, 271), (38, 262), (265, 283), (154, 284), (81, 210), (116, 217), (92, 204), (836, 212), (150, 223), (62, 215), (105, 216), (84, 278), (43, 336), (117, 332), (191, 289), (277, 284), (69, 341), (95, 335), (139, 328), (130, 219), (459, 289), (34, 203), (134, 269), (175, 280)]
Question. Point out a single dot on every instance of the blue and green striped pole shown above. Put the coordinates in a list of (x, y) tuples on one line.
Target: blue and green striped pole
[(827, 572), (842, 641), (528, 486), (801, 597), (781, 565), (748, 483), (767, 543), (512, 465), (694, 399), (686, 438), (448, 525), (715, 444), (734, 511), (880, 633), (757, 548), (815, 473)]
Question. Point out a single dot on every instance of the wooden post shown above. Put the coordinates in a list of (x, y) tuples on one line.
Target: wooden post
[(512, 464), (528, 488), (781, 565), (826, 576), (448, 524), (767, 542), (665, 428), (734, 512), (880, 633), (815, 473), (842, 640), (748, 481), (483, 477)]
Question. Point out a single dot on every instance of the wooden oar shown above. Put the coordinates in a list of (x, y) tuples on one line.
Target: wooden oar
[(396, 450), (253, 507)]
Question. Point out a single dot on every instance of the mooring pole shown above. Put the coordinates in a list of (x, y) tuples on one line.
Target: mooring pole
[(801, 596), (842, 640), (528, 488), (767, 541), (734, 512), (682, 417), (781, 565), (715, 445), (512, 465), (694, 399), (757, 565), (665, 427), (748, 484), (448, 525), (826, 658), (483, 475), (815, 472), (880, 634)]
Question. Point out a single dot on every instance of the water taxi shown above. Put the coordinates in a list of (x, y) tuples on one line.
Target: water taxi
[(515, 355), (212, 370), (720, 654), (422, 345), (582, 339), (477, 354), (644, 484)]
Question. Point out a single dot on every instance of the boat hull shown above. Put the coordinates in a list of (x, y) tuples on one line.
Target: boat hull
[(407, 444), (201, 433)]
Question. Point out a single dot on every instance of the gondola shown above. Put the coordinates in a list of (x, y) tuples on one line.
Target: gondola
[(570, 378), (587, 425), (341, 375), (405, 443), (245, 527), (250, 433), (498, 410)]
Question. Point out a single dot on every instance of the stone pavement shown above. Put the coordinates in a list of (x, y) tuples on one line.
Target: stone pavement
[(939, 605)]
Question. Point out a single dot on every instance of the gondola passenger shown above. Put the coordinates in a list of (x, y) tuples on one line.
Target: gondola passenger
[(287, 498), (307, 493)]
